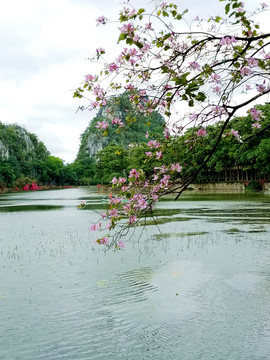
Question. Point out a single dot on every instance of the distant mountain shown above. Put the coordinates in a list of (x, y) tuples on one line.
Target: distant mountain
[(135, 127), (21, 154), (19, 145)]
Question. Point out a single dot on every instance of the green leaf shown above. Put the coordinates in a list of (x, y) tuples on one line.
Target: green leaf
[(122, 37), (128, 195), (200, 97), (164, 13), (140, 11), (227, 8)]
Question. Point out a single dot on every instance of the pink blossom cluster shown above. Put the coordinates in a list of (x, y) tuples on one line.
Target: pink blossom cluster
[(245, 71), (153, 144), (102, 241), (113, 67), (202, 132), (128, 29), (166, 133), (235, 133), (95, 227), (134, 174), (31, 187), (130, 13), (255, 114), (118, 122), (252, 62), (195, 66), (176, 167), (227, 40), (90, 78), (119, 181), (215, 78), (103, 125)]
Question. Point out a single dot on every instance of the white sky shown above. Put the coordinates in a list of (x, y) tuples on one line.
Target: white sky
[(44, 49)]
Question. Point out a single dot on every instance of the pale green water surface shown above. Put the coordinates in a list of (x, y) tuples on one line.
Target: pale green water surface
[(195, 287)]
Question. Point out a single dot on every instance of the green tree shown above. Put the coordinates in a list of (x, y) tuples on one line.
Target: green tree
[(111, 161)]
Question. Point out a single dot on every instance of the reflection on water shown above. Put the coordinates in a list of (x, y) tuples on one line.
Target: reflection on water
[(197, 286)]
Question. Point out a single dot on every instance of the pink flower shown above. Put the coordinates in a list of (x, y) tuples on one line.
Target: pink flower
[(132, 219), (102, 241), (134, 173), (194, 65), (176, 167), (136, 38), (256, 125), (113, 67), (121, 244), (122, 180), (95, 227), (26, 187), (245, 71), (113, 213), (114, 180), (235, 133), (252, 62), (255, 114), (148, 153), (166, 133), (159, 155), (148, 26), (227, 41), (261, 88), (146, 134), (202, 132), (165, 180), (145, 47), (101, 20), (153, 144), (100, 51), (118, 121), (127, 29), (102, 125), (90, 78), (215, 78), (115, 200), (109, 225)]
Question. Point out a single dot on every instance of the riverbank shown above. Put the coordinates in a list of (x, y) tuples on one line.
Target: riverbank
[(230, 187), (38, 188)]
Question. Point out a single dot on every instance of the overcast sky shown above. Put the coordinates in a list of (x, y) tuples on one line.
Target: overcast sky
[(44, 49)]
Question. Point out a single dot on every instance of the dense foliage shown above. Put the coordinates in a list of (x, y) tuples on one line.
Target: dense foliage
[(24, 159)]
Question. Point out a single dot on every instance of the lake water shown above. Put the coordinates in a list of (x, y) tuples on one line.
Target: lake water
[(197, 286)]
